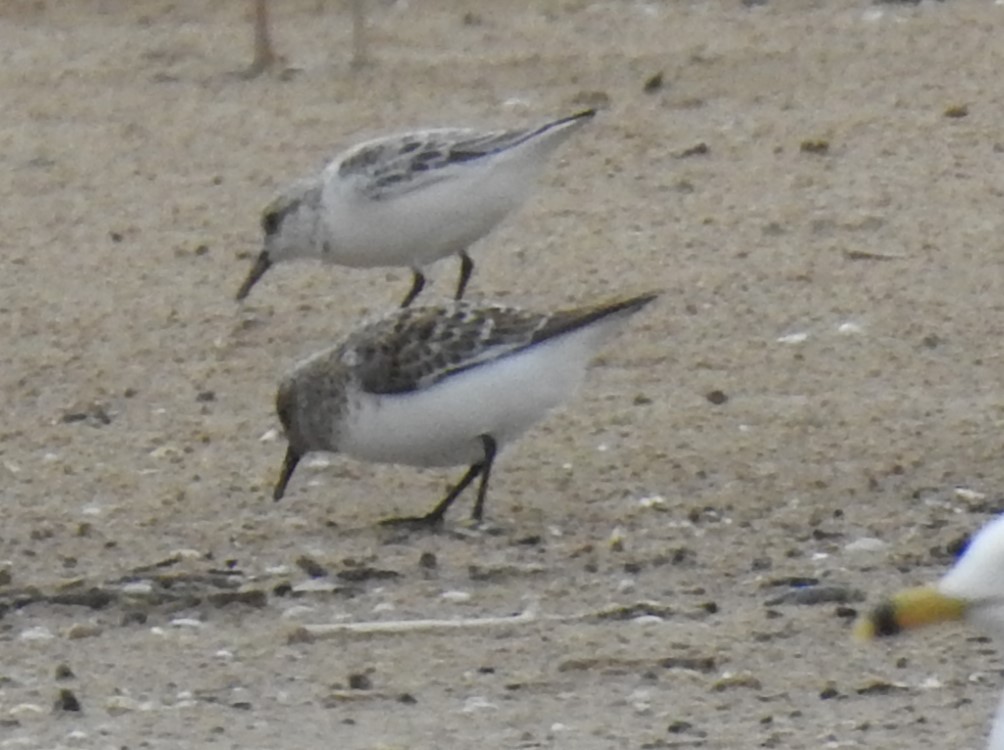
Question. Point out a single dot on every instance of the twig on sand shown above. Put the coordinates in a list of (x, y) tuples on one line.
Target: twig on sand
[(642, 611), (866, 255), (308, 633)]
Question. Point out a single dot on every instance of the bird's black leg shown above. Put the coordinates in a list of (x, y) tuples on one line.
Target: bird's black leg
[(416, 286), (435, 516), (491, 447), (466, 269), (288, 466)]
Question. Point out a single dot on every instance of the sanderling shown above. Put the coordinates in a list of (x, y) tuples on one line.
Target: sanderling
[(443, 385), (408, 200)]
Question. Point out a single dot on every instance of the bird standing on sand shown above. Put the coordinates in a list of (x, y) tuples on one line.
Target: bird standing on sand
[(408, 200), (445, 385)]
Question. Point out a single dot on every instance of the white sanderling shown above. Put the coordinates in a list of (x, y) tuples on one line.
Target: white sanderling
[(408, 200), (442, 385)]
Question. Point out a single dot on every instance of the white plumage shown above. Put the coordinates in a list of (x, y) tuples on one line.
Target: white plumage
[(408, 200), (445, 385), (973, 590)]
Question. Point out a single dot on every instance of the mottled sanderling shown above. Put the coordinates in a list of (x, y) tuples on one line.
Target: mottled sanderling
[(408, 200), (442, 385)]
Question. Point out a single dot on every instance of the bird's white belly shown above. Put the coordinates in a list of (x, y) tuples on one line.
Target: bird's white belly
[(422, 226), (997, 731), (441, 425)]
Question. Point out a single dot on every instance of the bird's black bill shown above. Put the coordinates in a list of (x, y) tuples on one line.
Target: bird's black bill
[(288, 466), (261, 265)]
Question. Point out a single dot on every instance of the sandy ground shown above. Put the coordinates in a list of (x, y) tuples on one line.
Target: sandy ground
[(832, 265)]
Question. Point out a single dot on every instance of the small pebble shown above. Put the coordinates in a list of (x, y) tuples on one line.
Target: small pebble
[(866, 544), (315, 586), (428, 561), (187, 622), (655, 502), (653, 83), (717, 397), (699, 149), (964, 493), (477, 703), (137, 588), (793, 338), (80, 630), (249, 597), (186, 553), (296, 612), (38, 633), (311, 567), (849, 328), (739, 680), (816, 146), (135, 617), (617, 538), (880, 687), (829, 692), (647, 620), (117, 705), (67, 701), (24, 711), (846, 613), (360, 681)]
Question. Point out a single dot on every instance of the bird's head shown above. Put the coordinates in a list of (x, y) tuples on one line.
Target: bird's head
[(972, 590), (289, 225)]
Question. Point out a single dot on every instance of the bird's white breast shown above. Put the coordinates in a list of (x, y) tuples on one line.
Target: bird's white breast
[(440, 425), (445, 213)]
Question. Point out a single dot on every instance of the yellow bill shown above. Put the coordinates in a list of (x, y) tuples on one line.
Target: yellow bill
[(907, 610)]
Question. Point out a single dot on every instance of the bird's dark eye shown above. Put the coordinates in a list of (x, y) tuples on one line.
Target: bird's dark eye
[(270, 221)]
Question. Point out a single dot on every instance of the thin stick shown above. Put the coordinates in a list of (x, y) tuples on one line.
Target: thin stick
[(359, 52), (316, 632), (264, 52)]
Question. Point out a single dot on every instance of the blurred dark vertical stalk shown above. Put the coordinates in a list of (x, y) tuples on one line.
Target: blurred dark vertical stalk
[(359, 51), (264, 53)]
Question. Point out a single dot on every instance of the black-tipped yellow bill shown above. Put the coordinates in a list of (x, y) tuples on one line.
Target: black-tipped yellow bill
[(907, 610)]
